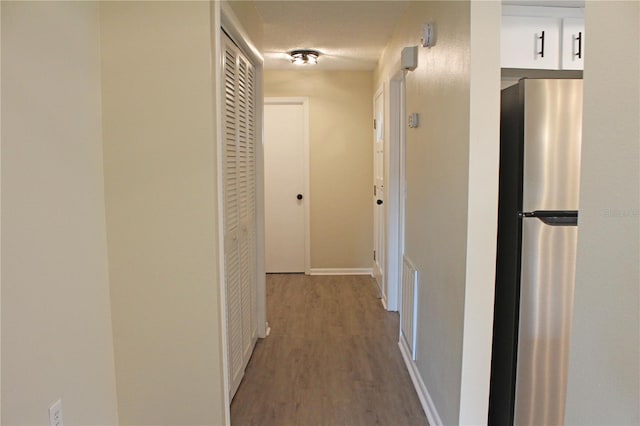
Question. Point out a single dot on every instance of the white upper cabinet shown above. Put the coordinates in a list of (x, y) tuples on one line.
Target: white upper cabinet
[(549, 38), (572, 44), (530, 42)]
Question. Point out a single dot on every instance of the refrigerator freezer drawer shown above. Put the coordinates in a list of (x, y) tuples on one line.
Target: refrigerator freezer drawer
[(546, 302)]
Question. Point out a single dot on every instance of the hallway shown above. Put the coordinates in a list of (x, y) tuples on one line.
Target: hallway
[(331, 359)]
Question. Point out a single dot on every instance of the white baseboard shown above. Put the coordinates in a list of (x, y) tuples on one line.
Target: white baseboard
[(423, 394), (340, 271), (383, 300)]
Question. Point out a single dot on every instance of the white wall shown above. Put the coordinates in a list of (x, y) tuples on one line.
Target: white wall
[(56, 321), (604, 374), (451, 171), (437, 159), (161, 199)]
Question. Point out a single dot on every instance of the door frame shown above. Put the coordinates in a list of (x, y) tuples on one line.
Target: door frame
[(396, 189), (304, 102)]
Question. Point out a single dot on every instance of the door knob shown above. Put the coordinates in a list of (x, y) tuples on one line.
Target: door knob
[(379, 202), (299, 196)]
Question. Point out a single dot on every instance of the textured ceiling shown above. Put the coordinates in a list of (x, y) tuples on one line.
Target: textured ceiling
[(350, 35)]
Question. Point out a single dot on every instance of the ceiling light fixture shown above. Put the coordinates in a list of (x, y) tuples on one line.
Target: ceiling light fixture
[(304, 57)]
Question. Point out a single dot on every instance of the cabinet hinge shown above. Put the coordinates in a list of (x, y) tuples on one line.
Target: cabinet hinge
[(375, 124), (374, 255)]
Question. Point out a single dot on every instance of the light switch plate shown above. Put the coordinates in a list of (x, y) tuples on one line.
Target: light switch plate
[(55, 414), (414, 119)]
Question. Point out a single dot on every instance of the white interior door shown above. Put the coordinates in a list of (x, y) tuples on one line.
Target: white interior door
[(286, 193), (378, 194)]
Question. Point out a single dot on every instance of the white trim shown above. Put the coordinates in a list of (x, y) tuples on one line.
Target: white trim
[(384, 303), (216, 71), (341, 271), (304, 101), (394, 151), (392, 201), (423, 394)]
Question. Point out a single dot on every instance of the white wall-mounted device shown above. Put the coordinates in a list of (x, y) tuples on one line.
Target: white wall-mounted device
[(428, 35), (409, 58), (55, 414), (413, 120)]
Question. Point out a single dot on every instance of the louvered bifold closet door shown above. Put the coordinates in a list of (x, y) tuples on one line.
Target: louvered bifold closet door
[(247, 200), (239, 198), (251, 207)]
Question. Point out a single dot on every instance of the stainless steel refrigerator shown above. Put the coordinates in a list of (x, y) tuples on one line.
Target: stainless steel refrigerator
[(540, 140)]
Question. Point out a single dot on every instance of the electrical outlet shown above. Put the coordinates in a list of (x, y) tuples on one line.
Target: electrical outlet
[(55, 414)]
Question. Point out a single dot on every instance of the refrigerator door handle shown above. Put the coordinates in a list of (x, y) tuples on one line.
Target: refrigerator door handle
[(553, 217), (560, 220)]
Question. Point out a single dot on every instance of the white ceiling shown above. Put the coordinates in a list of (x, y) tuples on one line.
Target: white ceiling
[(350, 35)]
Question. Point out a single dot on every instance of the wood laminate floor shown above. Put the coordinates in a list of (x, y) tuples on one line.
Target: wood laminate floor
[(332, 358)]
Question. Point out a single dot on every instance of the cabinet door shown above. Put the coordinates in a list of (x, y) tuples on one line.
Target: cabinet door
[(573, 43), (530, 42)]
